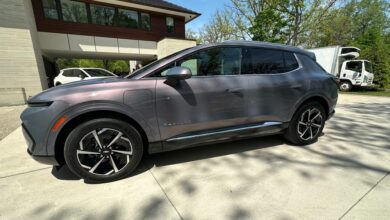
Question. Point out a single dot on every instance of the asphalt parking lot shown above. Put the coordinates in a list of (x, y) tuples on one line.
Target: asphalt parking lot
[(345, 175)]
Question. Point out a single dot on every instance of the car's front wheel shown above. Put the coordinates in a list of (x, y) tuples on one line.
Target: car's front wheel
[(103, 149), (307, 124)]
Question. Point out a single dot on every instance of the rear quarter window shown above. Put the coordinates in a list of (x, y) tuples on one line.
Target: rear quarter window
[(310, 64), (68, 73), (290, 62)]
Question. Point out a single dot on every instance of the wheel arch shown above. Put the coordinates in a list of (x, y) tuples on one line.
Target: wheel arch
[(317, 98), (346, 80), (67, 128)]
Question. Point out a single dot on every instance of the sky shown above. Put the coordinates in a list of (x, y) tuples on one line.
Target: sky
[(205, 7)]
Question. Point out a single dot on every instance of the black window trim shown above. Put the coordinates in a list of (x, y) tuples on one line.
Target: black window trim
[(148, 76)]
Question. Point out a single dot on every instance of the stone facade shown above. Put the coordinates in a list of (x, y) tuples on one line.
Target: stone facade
[(21, 63)]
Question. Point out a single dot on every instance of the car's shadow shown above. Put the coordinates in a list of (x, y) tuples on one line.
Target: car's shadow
[(187, 155)]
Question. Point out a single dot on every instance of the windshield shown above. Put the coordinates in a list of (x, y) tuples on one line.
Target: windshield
[(368, 67), (153, 64), (98, 72)]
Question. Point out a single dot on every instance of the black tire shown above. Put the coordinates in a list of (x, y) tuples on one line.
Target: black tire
[(345, 86), (104, 128), (293, 133)]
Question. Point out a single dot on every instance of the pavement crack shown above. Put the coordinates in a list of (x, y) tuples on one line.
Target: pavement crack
[(365, 194), (18, 174), (166, 195)]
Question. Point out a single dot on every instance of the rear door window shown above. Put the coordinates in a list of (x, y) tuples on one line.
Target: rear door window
[(78, 73), (267, 61)]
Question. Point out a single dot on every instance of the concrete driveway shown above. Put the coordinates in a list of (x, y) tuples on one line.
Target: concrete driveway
[(343, 175)]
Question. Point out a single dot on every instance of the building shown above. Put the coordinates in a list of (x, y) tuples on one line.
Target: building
[(33, 33)]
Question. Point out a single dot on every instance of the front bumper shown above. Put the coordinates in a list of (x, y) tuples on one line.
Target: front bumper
[(366, 84), (31, 144), (49, 160)]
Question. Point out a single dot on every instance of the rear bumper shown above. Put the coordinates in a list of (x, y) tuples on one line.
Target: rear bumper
[(331, 114)]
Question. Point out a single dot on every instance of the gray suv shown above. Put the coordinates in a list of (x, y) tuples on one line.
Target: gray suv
[(201, 95)]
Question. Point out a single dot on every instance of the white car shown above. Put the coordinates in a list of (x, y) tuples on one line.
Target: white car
[(76, 74)]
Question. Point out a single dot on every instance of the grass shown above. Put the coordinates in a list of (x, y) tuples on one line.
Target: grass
[(373, 92)]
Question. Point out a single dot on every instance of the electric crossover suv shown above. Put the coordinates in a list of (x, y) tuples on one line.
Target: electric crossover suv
[(210, 93)]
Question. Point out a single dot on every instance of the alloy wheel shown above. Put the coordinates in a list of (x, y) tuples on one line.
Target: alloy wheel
[(104, 151), (310, 124)]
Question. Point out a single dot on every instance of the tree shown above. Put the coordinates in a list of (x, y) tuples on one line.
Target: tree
[(360, 23), (270, 23), (192, 35), (374, 49), (221, 28), (283, 21)]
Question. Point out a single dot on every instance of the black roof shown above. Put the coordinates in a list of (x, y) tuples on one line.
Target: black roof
[(162, 4)]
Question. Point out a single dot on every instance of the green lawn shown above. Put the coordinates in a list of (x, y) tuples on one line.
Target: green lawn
[(372, 93)]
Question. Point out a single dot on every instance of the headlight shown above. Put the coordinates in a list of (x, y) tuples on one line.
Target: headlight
[(39, 103)]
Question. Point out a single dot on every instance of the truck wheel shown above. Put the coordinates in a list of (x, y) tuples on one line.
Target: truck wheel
[(345, 86)]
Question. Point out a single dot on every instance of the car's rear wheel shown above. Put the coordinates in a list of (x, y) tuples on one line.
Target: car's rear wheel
[(103, 149), (307, 124)]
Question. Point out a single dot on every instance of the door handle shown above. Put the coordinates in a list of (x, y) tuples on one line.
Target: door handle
[(296, 86), (235, 90)]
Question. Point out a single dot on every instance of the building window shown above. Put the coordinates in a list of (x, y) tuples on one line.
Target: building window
[(127, 18), (170, 25), (145, 21), (50, 9), (74, 11), (102, 15)]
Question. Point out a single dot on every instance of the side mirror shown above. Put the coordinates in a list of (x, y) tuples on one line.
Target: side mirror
[(178, 73)]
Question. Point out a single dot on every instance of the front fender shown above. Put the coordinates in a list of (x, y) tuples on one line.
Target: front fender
[(84, 108)]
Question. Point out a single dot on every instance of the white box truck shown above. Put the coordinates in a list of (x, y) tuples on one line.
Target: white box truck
[(343, 63)]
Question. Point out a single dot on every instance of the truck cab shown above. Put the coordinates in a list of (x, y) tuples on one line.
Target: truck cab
[(355, 73), (342, 62)]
